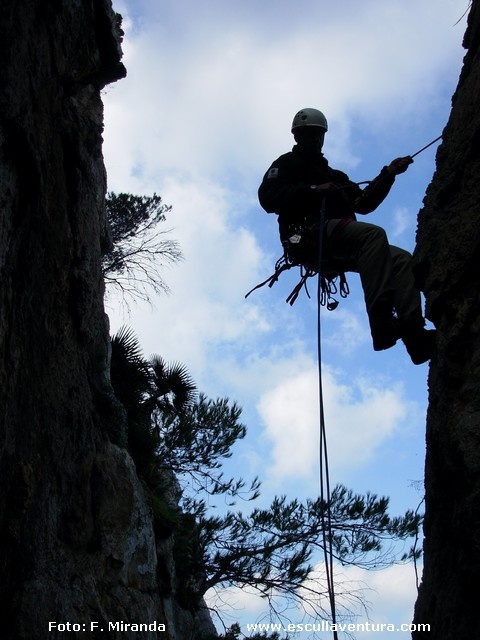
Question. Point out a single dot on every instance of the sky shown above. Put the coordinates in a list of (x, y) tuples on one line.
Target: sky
[(207, 105)]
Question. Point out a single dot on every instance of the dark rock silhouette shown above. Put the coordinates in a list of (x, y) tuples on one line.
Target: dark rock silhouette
[(448, 257), (76, 538)]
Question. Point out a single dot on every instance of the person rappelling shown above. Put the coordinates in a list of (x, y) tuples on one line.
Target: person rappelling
[(302, 189)]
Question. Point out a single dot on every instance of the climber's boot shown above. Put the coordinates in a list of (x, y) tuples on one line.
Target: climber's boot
[(383, 325), (419, 342)]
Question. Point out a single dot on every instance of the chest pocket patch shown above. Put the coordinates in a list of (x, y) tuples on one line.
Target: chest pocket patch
[(273, 173)]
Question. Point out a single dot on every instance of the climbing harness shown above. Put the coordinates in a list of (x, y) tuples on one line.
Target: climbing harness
[(332, 277)]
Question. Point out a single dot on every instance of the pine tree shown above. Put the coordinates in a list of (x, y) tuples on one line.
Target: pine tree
[(269, 550), (132, 264)]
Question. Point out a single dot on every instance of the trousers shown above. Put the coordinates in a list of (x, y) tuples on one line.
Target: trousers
[(385, 270)]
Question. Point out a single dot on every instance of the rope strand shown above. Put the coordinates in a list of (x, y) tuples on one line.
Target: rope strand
[(325, 495)]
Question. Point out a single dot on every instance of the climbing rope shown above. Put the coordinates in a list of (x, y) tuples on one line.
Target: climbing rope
[(325, 495), (426, 146), (410, 156)]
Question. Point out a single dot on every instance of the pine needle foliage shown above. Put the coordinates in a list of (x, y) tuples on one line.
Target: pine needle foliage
[(193, 444), (234, 633), (271, 549), (138, 249)]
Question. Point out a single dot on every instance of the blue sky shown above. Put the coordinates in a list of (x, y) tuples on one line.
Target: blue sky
[(207, 105)]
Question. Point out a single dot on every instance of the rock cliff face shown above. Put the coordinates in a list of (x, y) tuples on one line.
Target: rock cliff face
[(448, 255), (76, 537)]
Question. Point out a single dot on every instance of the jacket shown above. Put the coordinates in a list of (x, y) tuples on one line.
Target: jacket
[(286, 190)]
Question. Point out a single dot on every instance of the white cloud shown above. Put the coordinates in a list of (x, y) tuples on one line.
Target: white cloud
[(391, 595), (235, 601), (210, 96), (222, 260), (385, 596), (360, 415), (346, 331), (402, 220), (362, 596)]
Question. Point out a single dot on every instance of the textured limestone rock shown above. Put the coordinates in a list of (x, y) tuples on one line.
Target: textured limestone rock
[(448, 255), (76, 535)]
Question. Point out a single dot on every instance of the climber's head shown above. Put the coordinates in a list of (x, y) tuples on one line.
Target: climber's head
[(309, 127)]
